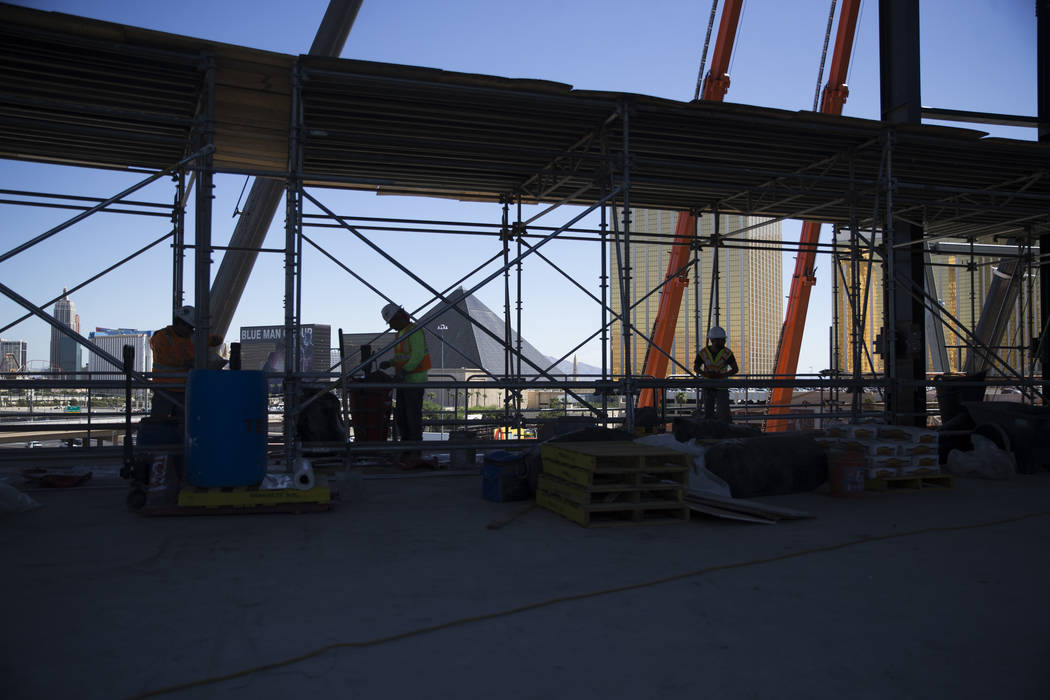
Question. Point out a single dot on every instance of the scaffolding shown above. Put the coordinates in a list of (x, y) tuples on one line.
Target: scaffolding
[(174, 107)]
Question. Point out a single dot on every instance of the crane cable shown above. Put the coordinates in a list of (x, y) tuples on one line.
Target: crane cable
[(824, 56), (700, 80)]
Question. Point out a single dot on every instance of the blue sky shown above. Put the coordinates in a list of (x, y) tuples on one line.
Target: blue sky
[(976, 55)]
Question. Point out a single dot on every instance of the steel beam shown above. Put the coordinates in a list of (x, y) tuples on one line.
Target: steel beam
[(265, 194), (1042, 11), (934, 323), (999, 304)]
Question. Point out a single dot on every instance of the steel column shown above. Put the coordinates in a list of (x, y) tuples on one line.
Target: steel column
[(202, 216), (904, 332), (1042, 11)]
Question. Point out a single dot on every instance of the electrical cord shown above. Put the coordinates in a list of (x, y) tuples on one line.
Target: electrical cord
[(570, 598)]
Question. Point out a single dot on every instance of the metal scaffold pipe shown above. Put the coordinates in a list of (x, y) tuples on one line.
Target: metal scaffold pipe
[(265, 194)]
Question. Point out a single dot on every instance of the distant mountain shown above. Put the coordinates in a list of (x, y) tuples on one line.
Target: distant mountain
[(565, 367)]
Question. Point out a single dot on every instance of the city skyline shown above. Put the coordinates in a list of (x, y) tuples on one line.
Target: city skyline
[(14, 354), (66, 354)]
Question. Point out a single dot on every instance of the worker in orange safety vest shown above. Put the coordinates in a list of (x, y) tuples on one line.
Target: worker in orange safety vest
[(716, 361), (173, 357), (411, 363)]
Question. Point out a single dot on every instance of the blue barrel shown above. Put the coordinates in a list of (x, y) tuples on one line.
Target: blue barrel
[(504, 477), (226, 428)]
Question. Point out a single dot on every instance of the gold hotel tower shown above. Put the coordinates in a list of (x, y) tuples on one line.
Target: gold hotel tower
[(750, 291)]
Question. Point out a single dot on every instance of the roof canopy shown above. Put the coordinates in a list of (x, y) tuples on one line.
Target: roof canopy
[(107, 95)]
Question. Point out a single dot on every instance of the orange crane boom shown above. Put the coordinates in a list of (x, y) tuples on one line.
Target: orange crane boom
[(835, 93), (716, 84)]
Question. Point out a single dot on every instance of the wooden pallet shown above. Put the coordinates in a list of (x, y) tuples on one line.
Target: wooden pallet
[(909, 483), (612, 456), (613, 477), (627, 494), (252, 497), (613, 483), (598, 515), (261, 509)]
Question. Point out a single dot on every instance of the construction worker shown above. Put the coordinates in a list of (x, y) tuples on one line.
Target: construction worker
[(716, 361), (411, 362), (173, 357)]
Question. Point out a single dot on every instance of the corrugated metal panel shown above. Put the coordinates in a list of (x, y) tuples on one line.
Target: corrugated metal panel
[(81, 100)]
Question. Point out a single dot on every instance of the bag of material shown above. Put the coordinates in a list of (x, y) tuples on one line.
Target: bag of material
[(700, 477), (986, 461)]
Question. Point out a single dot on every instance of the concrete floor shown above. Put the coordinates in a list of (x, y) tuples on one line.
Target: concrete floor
[(102, 603)]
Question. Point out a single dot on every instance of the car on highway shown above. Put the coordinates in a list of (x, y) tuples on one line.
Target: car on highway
[(33, 443)]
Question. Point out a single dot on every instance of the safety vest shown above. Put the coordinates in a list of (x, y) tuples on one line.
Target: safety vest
[(172, 355), (715, 363), (403, 351)]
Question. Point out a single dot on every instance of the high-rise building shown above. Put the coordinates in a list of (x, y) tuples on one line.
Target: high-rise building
[(66, 353), (750, 292), (112, 341), (960, 290), (13, 355), (262, 347)]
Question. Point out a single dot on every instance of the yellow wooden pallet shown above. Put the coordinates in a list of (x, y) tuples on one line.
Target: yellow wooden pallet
[(251, 496), (909, 483), (615, 476), (612, 493), (611, 456), (613, 513)]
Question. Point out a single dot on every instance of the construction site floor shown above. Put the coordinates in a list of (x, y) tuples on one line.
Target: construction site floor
[(404, 591)]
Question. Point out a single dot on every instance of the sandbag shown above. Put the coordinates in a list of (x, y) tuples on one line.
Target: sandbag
[(696, 427), (770, 465)]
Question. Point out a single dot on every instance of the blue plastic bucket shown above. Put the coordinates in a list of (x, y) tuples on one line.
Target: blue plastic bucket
[(504, 477)]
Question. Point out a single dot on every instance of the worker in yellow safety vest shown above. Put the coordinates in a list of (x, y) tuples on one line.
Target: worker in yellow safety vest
[(411, 363), (173, 357), (716, 361)]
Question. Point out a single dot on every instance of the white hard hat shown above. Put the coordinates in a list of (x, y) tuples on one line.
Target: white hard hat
[(187, 314), (389, 311), (716, 333)]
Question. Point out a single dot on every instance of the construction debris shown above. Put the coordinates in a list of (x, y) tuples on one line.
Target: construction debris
[(14, 501), (44, 478), (740, 509)]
